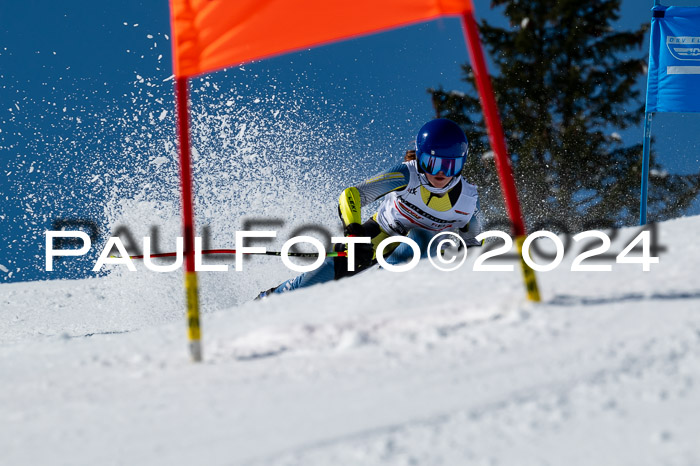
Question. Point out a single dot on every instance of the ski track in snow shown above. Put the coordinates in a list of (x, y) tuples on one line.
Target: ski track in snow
[(370, 370)]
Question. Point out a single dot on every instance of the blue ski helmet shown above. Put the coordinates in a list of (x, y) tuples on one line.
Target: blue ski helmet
[(441, 146)]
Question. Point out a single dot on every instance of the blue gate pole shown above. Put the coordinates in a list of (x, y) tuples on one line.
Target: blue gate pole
[(645, 163), (645, 169)]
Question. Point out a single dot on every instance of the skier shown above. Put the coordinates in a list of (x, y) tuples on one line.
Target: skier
[(423, 196)]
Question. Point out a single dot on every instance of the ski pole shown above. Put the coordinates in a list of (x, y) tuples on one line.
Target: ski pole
[(233, 251)]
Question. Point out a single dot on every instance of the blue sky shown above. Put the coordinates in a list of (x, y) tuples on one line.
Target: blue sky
[(74, 75)]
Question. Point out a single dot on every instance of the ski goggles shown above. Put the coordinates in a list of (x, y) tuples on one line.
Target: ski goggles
[(434, 164)]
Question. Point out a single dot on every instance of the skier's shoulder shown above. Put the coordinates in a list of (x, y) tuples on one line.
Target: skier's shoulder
[(469, 189), (399, 171)]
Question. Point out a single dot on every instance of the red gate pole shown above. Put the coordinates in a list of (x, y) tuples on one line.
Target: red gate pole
[(191, 287), (498, 143)]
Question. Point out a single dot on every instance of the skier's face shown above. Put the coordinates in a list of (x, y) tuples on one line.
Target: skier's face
[(439, 180)]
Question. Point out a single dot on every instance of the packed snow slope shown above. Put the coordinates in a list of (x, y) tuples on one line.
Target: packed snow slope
[(424, 367)]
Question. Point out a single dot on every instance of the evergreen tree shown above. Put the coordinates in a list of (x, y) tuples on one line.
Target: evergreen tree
[(565, 82)]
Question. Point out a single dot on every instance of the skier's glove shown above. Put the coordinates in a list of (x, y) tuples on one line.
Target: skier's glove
[(363, 251), (354, 229)]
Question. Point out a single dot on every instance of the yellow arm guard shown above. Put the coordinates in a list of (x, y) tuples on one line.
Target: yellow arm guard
[(349, 206)]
